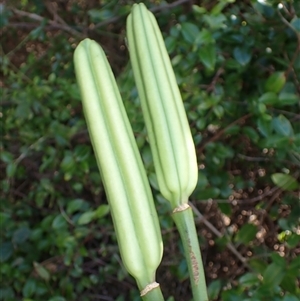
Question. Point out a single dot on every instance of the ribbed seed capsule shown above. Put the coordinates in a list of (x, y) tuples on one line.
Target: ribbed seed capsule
[(169, 133), (123, 174)]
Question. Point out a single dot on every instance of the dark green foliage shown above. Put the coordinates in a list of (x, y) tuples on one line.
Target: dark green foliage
[(237, 65)]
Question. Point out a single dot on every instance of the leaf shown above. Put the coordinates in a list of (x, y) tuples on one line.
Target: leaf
[(289, 297), (275, 82), (21, 235), (257, 265), (59, 222), (190, 32), (276, 141), (86, 218), (249, 279), (57, 298), (242, 55), (214, 289), (68, 162), (273, 275), (76, 205), (81, 152), (289, 283), (98, 15), (264, 126), (6, 157), (284, 181), (29, 288), (202, 180), (102, 211), (204, 37), (296, 23), (287, 99), (251, 133), (11, 169), (283, 126), (218, 111), (269, 98), (208, 56), (246, 234), (6, 250), (207, 193), (214, 22), (41, 271)]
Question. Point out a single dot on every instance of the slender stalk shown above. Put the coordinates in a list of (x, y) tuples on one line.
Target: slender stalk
[(184, 221)]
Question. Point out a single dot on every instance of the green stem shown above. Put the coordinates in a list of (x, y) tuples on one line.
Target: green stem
[(154, 295), (185, 224)]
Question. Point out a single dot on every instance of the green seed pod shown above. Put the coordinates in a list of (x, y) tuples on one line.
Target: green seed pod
[(169, 133), (119, 161)]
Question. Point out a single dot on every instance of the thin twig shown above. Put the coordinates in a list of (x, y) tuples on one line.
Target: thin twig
[(27, 151), (65, 216), (270, 202), (295, 56), (230, 246), (221, 132), (36, 17), (262, 159), (153, 9), (212, 85), (247, 201)]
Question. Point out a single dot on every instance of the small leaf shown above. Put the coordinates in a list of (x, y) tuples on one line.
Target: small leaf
[(204, 37), (6, 156), (202, 180), (208, 56), (275, 82), (6, 250), (218, 111), (76, 205), (246, 234), (68, 162), (242, 55), (21, 235), (296, 23), (189, 32), (273, 275), (264, 126), (284, 181), (207, 193), (249, 279), (214, 22), (283, 126), (214, 289), (41, 271), (102, 211), (86, 218), (59, 222), (11, 169), (29, 288), (251, 133), (269, 98), (287, 99), (290, 298), (57, 298)]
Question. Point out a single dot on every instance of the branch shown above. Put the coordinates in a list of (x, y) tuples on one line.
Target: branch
[(221, 132), (36, 17), (153, 9), (214, 230)]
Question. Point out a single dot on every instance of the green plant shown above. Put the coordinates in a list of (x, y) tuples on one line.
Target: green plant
[(170, 138), (122, 172), (53, 211)]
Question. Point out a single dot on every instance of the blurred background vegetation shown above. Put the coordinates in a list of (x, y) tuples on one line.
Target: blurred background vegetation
[(238, 67)]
